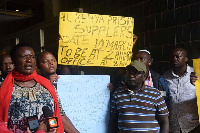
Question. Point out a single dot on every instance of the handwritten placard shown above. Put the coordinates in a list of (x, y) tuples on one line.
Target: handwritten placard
[(95, 40), (85, 100)]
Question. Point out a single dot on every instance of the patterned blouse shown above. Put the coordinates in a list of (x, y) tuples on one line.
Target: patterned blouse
[(27, 102)]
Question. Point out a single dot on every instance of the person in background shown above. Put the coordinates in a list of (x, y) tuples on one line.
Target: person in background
[(153, 79), (24, 93), (6, 66), (183, 109), (47, 64), (137, 107)]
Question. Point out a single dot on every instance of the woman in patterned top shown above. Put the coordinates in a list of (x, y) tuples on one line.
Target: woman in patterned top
[(24, 92), (47, 64)]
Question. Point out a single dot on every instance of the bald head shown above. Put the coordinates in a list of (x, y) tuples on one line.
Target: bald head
[(144, 57), (179, 57), (183, 51)]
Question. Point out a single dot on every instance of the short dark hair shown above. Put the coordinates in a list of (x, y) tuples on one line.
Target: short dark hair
[(39, 56), (16, 48)]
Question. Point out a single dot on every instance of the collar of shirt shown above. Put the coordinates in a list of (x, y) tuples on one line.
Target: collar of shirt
[(149, 81), (132, 92), (183, 74)]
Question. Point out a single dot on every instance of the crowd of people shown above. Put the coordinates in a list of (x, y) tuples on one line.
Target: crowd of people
[(24, 92), (142, 100), (131, 107)]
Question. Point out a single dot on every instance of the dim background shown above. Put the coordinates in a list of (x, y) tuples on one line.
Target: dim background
[(160, 25)]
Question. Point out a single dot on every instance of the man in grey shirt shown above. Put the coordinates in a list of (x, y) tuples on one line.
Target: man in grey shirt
[(183, 111)]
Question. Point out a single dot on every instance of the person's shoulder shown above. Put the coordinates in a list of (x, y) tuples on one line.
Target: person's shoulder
[(119, 91), (167, 73), (155, 73), (151, 89), (190, 69), (155, 76), (162, 79)]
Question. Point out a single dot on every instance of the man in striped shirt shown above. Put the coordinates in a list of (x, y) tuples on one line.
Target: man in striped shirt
[(136, 107)]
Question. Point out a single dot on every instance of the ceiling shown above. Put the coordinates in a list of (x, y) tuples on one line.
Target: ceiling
[(14, 12), (17, 7), (17, 15)]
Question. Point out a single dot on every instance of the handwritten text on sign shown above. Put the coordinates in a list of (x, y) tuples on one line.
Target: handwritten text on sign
[(95, 40), (85, 100)]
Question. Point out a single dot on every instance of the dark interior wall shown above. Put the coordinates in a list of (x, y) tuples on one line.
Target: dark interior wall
[(160, 25), (6, 45), (32, 38), (51, 35), (70, 5), (18, 21)]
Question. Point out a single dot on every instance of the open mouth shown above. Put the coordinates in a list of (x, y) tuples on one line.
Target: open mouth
[(52, 68), (28, 67)]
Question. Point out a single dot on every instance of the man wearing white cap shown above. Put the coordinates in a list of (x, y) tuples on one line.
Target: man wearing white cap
[(153, 79)]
